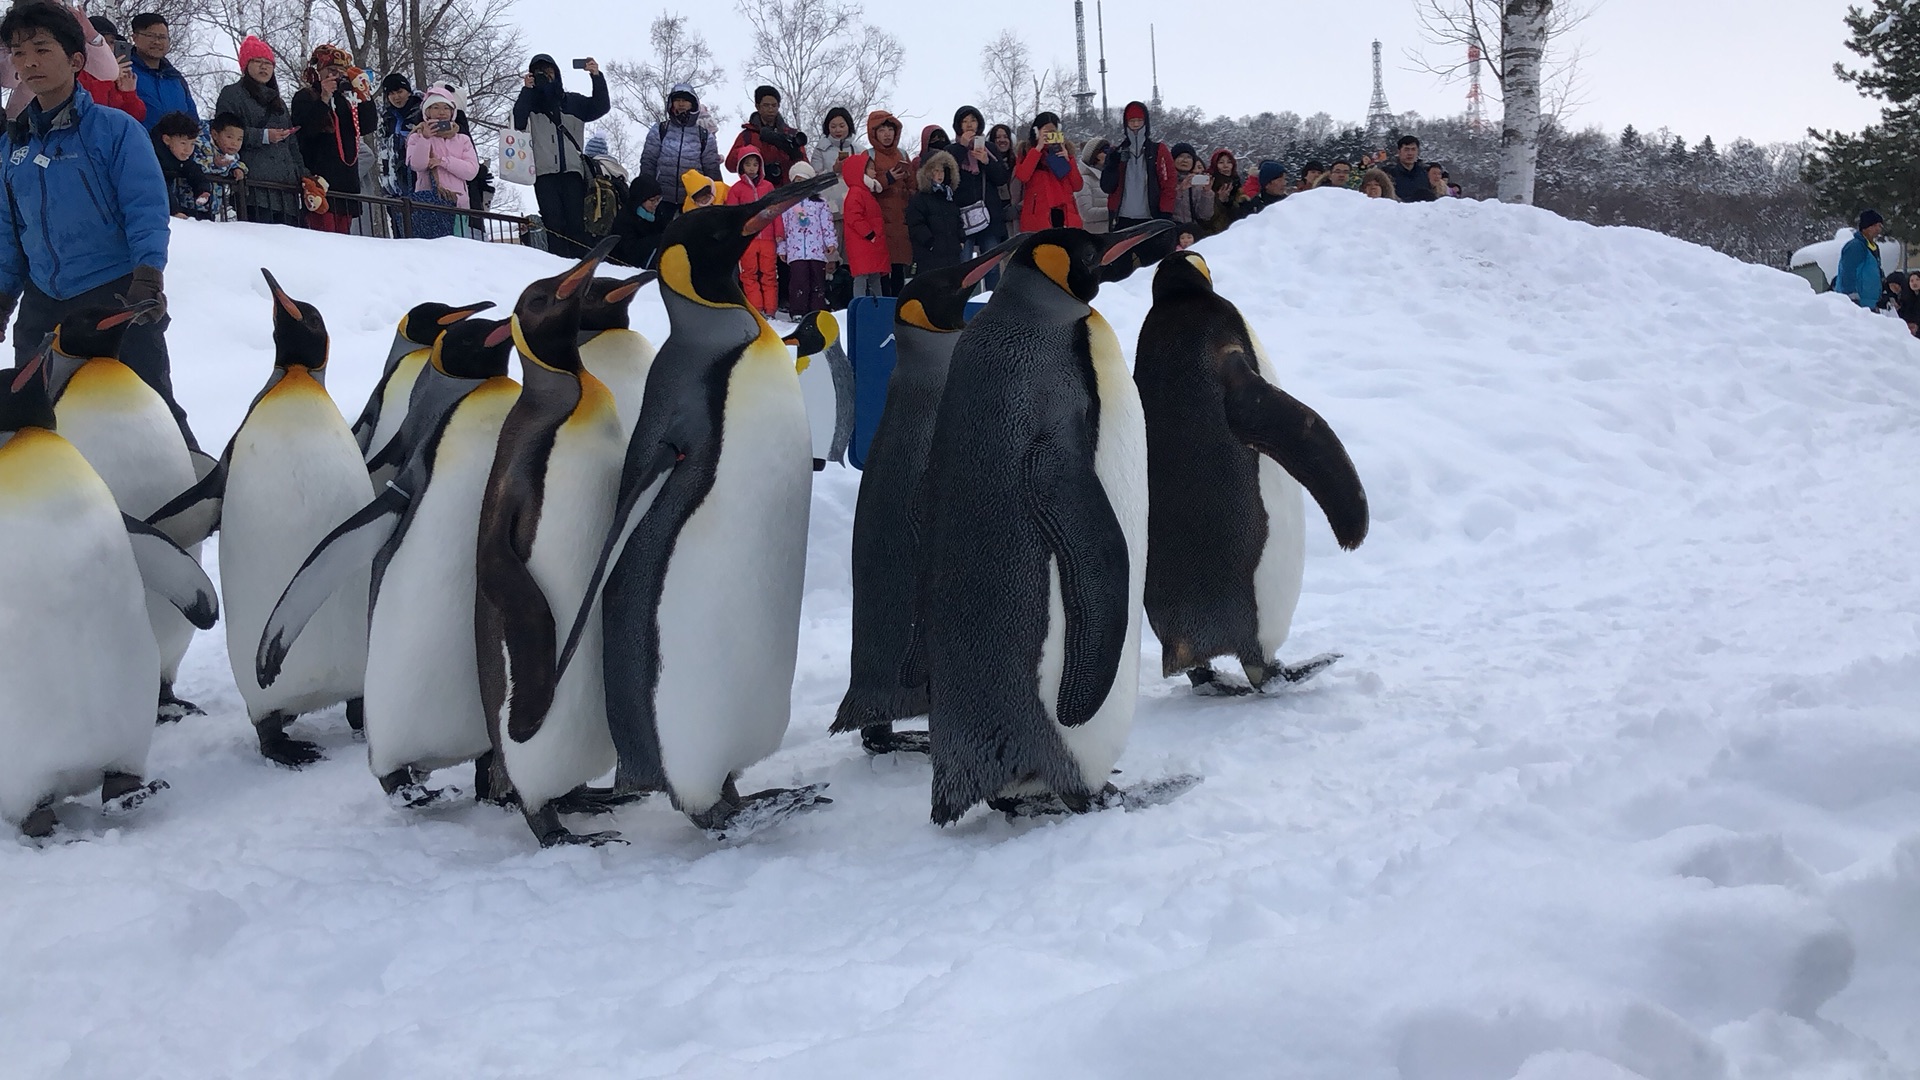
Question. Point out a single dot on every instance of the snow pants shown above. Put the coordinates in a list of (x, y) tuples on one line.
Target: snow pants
[(806, 286), (760, 276)]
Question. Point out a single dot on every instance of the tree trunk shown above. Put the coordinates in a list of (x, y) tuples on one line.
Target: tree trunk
[(1523, 47)]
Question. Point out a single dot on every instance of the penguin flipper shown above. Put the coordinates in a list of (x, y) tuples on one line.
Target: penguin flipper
[(530, 674), (349, 547), (168, 571), (638, 488), (843, 407), (1067, 503), (194, 514), (1277, 424)]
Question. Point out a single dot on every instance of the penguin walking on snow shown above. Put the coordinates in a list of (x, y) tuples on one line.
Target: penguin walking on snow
[(826, 387), (386, 410), (1228, 452), (610, 349), (422, 707), (889, 523), (293, 473), (544, 515), (127, 432), (1036, 553), (704, 564), (77, 652)]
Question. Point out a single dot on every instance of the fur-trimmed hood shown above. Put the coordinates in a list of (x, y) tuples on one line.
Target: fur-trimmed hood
[(938, 165)]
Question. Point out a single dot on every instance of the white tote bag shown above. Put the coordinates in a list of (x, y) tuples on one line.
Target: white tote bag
[(516, 157)]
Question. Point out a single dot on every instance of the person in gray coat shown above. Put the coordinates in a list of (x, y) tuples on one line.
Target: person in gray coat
[(556, 122), (676, 145), (268, 150)]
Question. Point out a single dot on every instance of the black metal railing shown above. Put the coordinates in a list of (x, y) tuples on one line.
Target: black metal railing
[(374, 215)]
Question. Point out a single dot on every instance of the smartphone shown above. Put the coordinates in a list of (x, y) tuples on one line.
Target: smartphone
[(979, 142), (580, 65), (122, 51), (1201, 180), (1055, 137), (442, 125)]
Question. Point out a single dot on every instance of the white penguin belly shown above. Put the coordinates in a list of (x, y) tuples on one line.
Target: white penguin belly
[(423, 703), (816, 388), (1276, 580), (77, 657), (621, 360), (394, 398), (729, 614), (126, 432), (295, 475), (573, 744)]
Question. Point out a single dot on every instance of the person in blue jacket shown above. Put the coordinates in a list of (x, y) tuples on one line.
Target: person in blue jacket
[(1859, 275), (159, 84), (84, 219)]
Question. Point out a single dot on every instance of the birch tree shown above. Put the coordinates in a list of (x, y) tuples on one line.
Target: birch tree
[(1006, 68), (680, 55), (820, 53)]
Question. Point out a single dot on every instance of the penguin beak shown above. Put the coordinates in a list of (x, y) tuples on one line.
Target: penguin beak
[(121, 318), (619, 293), (500, 334), (1118, 244), (32, 367), (577, 278), (770, 208), (280, 296), (978, 270), (462, 314)]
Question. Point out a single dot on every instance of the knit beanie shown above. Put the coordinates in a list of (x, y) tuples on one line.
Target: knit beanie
[(596, 146), (395, 81), (1187, 149), (103, 26), (1132, 110), (1271, 171), (254, 49), (1870, 218), (799, 171)]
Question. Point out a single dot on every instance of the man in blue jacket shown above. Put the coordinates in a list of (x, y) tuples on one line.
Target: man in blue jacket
[(84, 220), (1859, 275), (159, 84)]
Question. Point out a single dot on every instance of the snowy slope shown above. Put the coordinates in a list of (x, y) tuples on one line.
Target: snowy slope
[(1619, 777)]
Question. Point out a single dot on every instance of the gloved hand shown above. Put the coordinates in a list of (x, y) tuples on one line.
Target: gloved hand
[(147, 285), (7, 304)]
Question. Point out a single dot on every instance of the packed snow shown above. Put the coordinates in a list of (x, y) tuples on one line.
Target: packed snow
[(1619, 776)]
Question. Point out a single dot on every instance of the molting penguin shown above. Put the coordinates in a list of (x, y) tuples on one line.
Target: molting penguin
[(704, 566), (422, 705), (77, 654), (128, 434), (1036, 555), (616, 354), (544, 516), (386, 409), (826, 388), (293, 475), (889, 525), (1227, 454)]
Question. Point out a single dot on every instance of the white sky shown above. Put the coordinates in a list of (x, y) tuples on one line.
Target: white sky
[(1725, 68)]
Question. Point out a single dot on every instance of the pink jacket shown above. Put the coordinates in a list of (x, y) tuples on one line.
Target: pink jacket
[(454, 161)]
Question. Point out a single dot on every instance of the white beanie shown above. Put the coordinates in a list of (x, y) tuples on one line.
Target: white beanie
[(799, 170)]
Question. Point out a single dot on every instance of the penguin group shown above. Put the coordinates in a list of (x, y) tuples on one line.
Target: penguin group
[(596, 571)]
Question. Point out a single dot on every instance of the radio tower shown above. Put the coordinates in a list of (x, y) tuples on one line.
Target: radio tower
[(1153, 50), (1379, 116), (1476, 102), (1082, 93), (1100, 24)]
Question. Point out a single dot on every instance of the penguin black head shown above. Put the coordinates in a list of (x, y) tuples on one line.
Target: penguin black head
[(608, 301), (816, 334), (701, 249), (936, 300), (474, 348), (95, 332), (299, 334), (546, 319), (1185, 274), (24, 398), (1075, 260), (423, 324)]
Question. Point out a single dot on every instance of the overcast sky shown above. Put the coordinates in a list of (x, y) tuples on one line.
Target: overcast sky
[(1725, 68)]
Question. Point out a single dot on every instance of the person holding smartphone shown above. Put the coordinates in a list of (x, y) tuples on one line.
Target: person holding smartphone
[(122, 93), (556, 122), (1048, 177), (442, 160)]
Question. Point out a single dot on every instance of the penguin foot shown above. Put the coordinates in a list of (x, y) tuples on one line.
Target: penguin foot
[(490, 783), (1049, 804), (1209, 683), (276, 747), (546, 826), (357, 718), (729, 820), (1147, 792), (418, 796), (122, 794), (40, 824), (174, 708), (1277, 674), (594, 801), (819, 464), (881, 740)]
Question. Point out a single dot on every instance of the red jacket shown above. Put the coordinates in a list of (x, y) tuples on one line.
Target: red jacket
[(745, 192), (774, 158), (865, 248), (104, 92), (1042, 192), (1163, 183)]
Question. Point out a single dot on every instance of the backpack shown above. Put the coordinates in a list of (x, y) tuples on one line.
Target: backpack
[(603, 201)]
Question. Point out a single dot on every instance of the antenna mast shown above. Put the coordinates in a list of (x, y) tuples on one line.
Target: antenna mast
[(1476, 102), (1082, 93), (1153, 50), (1379, 116), (1100, 23)]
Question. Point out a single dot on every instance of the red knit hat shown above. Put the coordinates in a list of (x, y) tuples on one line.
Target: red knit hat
[(254, 49), (1134, 109)]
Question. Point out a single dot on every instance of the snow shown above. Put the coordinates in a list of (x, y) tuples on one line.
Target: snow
[(1619, 777)]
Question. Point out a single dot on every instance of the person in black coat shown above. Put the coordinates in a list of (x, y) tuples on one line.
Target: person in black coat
[(982, 173), (933, 215), (640, 223), (328, 118)]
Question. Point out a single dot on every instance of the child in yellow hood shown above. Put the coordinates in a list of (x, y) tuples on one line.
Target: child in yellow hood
[(702, 191)]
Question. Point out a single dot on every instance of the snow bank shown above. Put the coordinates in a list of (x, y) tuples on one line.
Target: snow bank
[(1618, 779)]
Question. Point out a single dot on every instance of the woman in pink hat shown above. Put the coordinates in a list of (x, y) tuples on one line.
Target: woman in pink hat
[(268, 149)]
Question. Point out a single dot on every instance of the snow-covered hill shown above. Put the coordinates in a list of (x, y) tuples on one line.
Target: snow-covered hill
[(1619, 778)]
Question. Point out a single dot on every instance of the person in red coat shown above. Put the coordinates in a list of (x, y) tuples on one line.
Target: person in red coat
[(767, 134), (1048, 178), (759, 278), (866, 227), (122, 93)]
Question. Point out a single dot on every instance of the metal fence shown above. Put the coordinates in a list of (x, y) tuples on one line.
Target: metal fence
[(375, 215)]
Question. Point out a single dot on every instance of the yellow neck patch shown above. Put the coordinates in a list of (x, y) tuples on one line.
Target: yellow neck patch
[(913, 313), (526, 350), (1053, 261), (676, 273)]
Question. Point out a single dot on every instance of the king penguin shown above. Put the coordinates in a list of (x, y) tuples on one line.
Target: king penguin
[(1036, 554), (704, 565), (1227, 454), (889, 525), (544, 516), (293, 475), (386, 409), (77, 653), (615, 353), (826, 385), (127, 433), (422, 705)]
